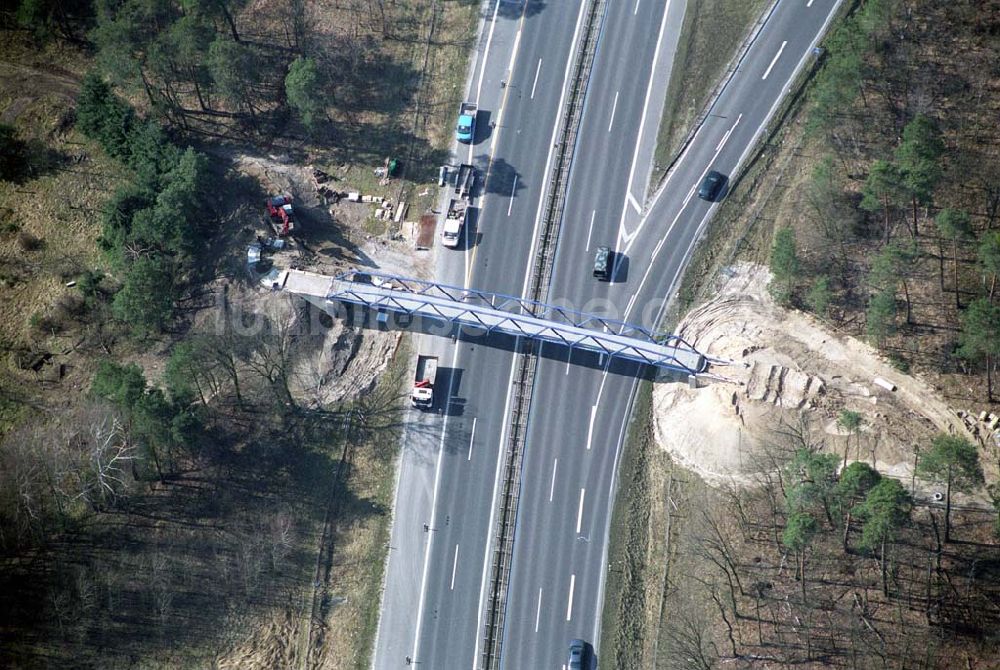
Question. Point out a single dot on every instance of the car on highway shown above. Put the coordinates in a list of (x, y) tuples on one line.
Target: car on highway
[(578, 656), (603, 262), (711, 185)]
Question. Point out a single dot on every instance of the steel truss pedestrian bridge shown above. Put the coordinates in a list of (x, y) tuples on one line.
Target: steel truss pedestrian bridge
[(483, 311)]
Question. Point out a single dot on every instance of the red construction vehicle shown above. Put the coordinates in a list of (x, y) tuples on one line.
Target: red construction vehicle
[(279, 208)]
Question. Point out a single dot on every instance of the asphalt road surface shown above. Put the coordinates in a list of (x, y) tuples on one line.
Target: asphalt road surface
[(440, 548), (578, 416), (435, 577)]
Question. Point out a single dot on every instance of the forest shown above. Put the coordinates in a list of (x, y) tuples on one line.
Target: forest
[(173, 491), (875, 202)]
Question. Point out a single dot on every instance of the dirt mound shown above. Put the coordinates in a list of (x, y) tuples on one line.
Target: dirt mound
[(782, 363)]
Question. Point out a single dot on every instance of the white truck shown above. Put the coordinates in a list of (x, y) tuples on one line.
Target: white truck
[(422, 395), (454, 222)]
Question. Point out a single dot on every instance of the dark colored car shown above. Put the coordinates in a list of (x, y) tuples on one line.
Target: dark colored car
[(711, 185), (603, 263), (577, 655)]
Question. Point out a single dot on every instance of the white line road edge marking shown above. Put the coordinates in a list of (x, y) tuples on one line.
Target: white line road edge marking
[(809, 4), (632, 201), (611, 489), (579, 511), (552, 147), (537, 70), (775, 59), (569, 605), (493, 506), (636, 10), (470, 253), (472, 438), (503, 102), (670, 228), (454, 567), (590, 430), (479, 86), (482, 68), (590, 231), (512, 189), (614, 107), (666, 298), (538, 611), (486, 52), (385, 574), (531, 253), (434, 508), (552, 487), (569, 359), (496, 482), (622, 233), (687, 198)]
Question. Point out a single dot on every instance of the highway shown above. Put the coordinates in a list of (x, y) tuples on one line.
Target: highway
[(578, 417), (440, 552), (435, 578)]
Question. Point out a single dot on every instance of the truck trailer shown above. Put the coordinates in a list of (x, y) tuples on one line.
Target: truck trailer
[(422, 395), (465, 180)]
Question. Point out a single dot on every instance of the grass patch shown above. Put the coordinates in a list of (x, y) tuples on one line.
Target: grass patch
[(706, 622), (217, 566), (699, 65), (362, 550), (650, 515), (638, 599), (636, 547), (410, 114)]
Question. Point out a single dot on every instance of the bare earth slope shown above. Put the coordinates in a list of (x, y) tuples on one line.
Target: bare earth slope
[(785, 362)]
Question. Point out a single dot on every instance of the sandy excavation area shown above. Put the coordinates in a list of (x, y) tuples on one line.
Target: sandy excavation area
[(788, 369)]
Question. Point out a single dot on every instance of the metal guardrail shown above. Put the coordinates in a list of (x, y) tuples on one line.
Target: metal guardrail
[(524, 380), (555, 199)]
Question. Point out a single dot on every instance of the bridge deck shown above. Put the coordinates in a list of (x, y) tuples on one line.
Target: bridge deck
[(487, 312)]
